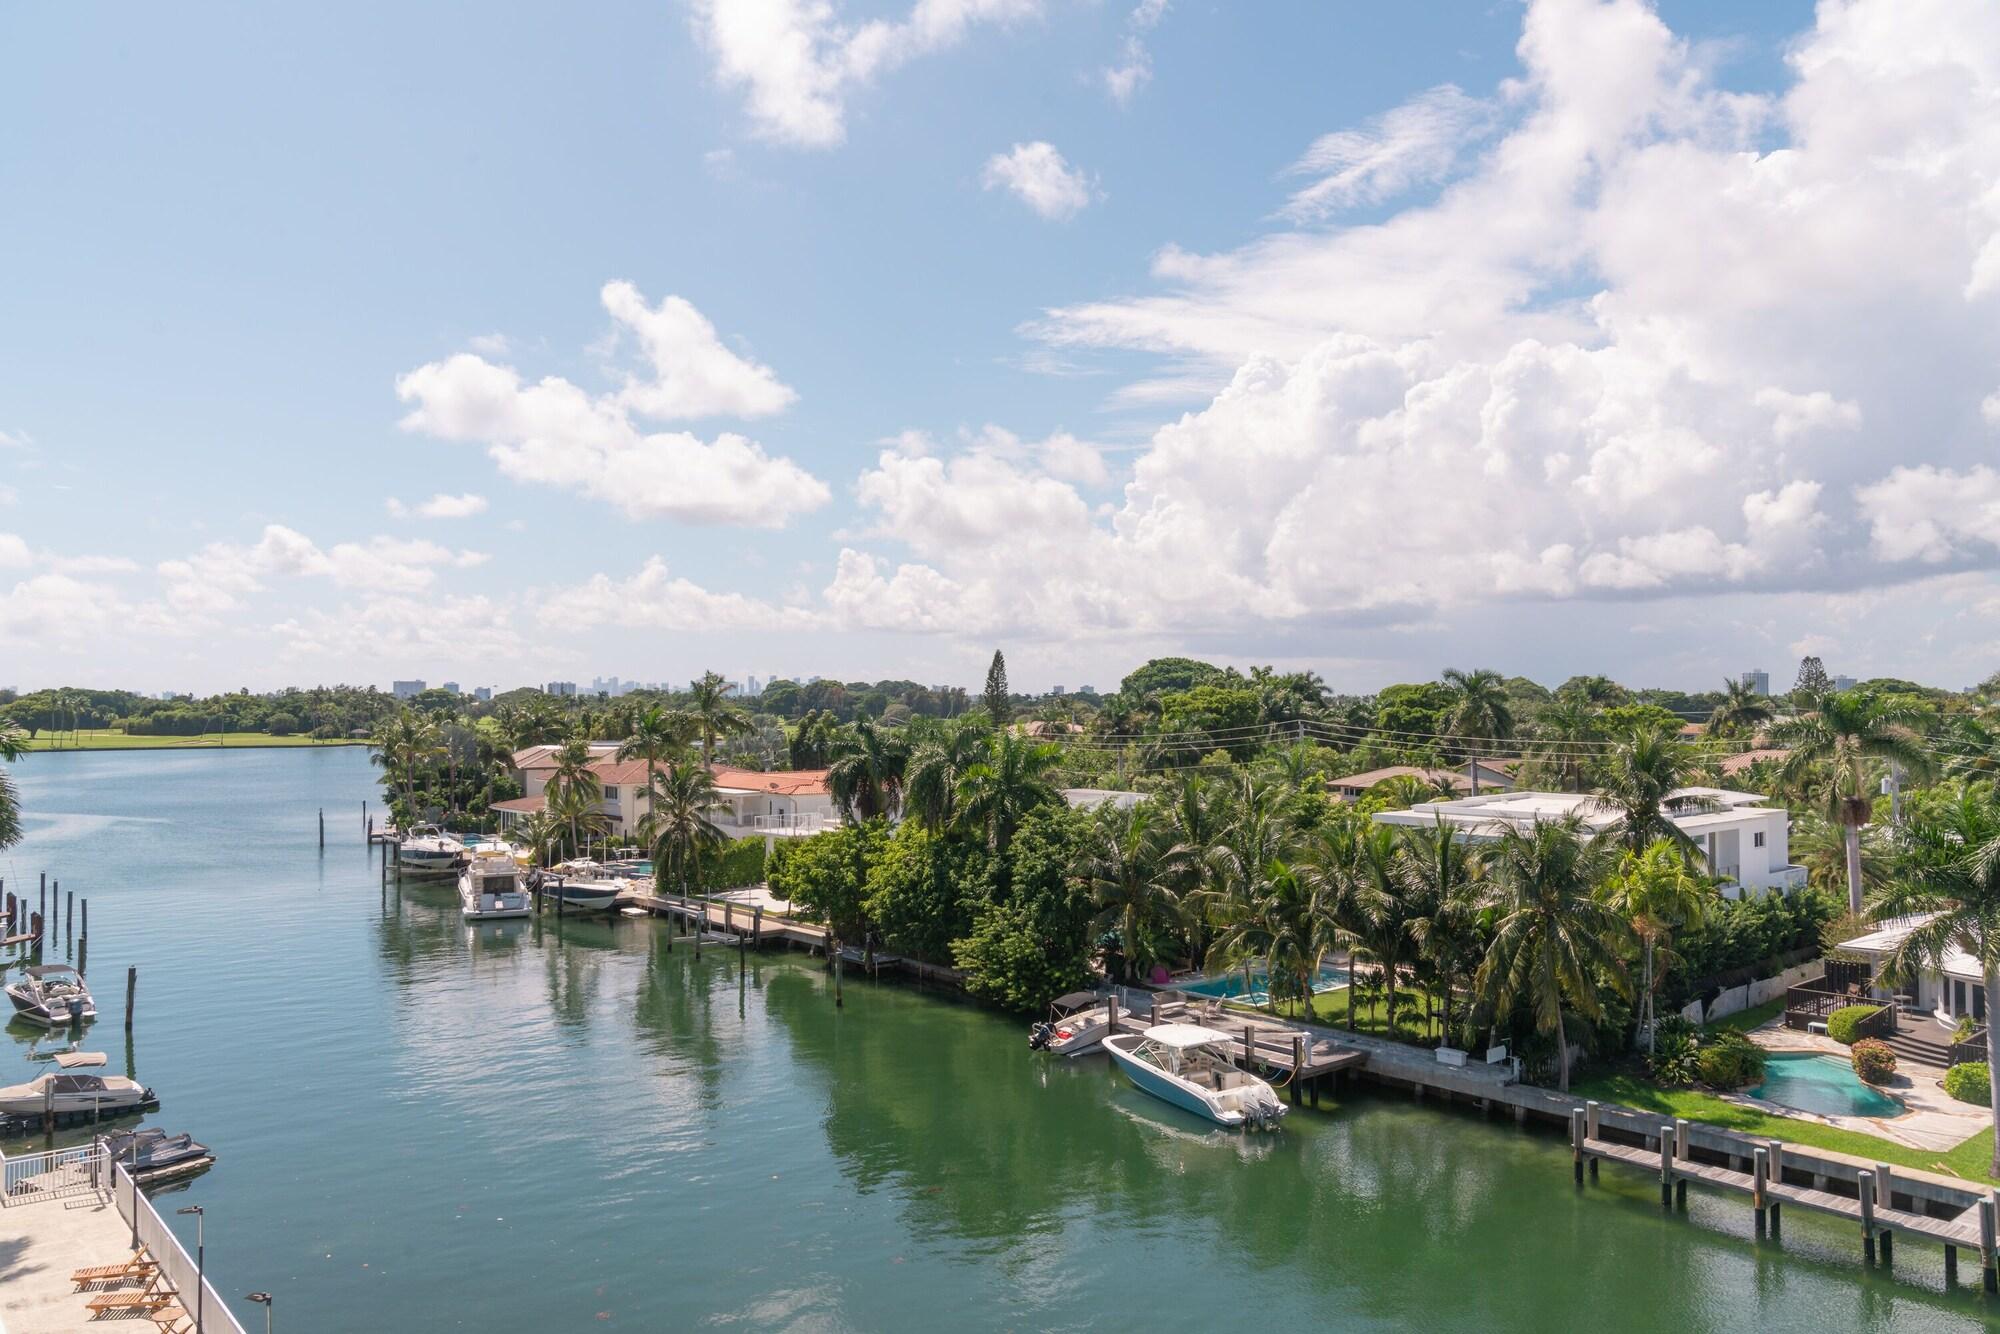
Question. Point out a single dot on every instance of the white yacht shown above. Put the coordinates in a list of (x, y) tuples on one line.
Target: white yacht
[(490, 887), (429, 850), (51, 995), (1189, 1066)]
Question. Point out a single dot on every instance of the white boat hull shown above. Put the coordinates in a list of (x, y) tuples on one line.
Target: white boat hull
[(1231, 1107)]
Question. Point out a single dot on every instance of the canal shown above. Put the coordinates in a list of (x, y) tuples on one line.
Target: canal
[(538, 1126)]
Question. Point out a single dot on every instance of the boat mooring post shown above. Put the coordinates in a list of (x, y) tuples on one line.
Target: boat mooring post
[(83, 954), (85, 933), (742, 956), (69, 921), (1759, 1181), (837, 1002), (1298, 1064), (322, 829), (1576, 1144), (1666, 1167), (757, 925), (131, 993), (1249, 1046), (1867, 1185)]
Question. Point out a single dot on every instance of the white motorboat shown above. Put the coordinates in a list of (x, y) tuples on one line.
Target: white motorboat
[(1077, 1023), (52, 995), (490, 887), (1189, 1066), (66, 1092), (429, 850)]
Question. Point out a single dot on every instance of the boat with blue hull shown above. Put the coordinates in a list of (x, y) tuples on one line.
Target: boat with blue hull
[(1189, 1066)]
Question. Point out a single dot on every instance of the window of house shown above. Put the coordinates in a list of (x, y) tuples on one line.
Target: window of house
[(611, 794), (1757, 839)]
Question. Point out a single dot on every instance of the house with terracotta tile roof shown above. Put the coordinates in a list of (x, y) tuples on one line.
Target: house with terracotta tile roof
[(781, 804)]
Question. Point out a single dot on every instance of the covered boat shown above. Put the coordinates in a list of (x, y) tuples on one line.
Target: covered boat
[(67, 1091), (1189, 1066), (52, 995), (1077, 1023)]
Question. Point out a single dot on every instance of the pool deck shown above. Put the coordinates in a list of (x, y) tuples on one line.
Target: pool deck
[(40, 1243), (1933, 1120)]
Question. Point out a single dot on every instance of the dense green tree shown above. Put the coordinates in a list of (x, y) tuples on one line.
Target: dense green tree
[(1160, 676), (866, 777), (679, 825), (936, 765), (1834, 744), (827, 875), (10, 797), (999, 703), (996, 794), (1481, 712), (1640, 775), (1657, 895), (1414, 713), (1030, 940), (717, 714), (1132, 881), (1741, 710)]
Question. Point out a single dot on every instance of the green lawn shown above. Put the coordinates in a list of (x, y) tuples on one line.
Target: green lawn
[(90, 739), (1754, 1017), (1970, 1159), (1331, 1007)]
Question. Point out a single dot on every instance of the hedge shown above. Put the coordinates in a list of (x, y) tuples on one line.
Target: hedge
[(739, 864), (1971, 1083), (1730, 1060), (1874, 1061), (1842, 1023)]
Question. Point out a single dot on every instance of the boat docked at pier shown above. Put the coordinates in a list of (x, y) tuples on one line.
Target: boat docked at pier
[(491, 887), (65, 1092), (429, 850), (52, 995), (579, 886), (1077, 1023), (1189, 1066), (154, 1155)]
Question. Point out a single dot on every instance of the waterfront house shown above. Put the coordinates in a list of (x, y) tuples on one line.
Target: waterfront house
[(779, 804), (1741, 841), (1955, 991)]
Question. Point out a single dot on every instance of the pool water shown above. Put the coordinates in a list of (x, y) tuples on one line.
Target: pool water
[(1824, 1085), (1229, 986)]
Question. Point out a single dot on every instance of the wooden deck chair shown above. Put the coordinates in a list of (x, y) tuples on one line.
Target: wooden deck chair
[(157, 1293), (141, 1265)]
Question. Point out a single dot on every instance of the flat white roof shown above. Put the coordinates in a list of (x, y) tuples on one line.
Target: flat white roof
[(1891, 933), (1522, 808)]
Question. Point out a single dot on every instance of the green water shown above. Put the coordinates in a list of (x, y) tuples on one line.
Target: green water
[(531, 1128)]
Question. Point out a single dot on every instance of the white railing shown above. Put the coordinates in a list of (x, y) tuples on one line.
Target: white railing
[(51, 1174), (809, 822), (165, 1247)]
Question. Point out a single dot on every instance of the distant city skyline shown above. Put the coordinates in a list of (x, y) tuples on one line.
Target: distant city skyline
[(1561, 336)]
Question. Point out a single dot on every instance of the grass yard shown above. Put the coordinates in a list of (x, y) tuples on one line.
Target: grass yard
[(1754, 1017), (105, 739), (1330, 1008)]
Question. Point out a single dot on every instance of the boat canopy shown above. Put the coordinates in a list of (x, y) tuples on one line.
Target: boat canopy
[(1076, 1000), (1182, 1036), (79, 1060), (42, 970)]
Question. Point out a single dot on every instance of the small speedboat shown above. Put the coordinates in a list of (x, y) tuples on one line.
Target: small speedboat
[(429, 850), (582, 893), (150, 1154), (1077, 1023), (490, 888), (66, 1092), (52, 995), (1189, 1066)]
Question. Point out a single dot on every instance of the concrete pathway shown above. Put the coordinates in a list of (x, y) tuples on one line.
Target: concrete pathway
[(40, 1243)]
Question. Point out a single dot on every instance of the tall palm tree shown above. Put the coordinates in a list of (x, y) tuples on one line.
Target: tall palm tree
[(11, 749), (659, 736), (935, 767), (1441, 878), (1952, 872), (1125, 869), (1741, 711), (1837, 740), (1377, 911), (575, 808), (1482, 712), (405, 746), (542, 832), (574, 790), (1657, 895), (1564, 729), (866, 779), (1555, 938), (997, 793), (720, 716), (1640, 775), (677, 824)]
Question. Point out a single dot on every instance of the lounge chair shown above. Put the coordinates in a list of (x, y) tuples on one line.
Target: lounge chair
[(157, 1293), (141, 1265)]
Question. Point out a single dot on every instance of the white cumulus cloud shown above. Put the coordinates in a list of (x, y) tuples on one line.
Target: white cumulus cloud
[(440, 506), (1040, 177)]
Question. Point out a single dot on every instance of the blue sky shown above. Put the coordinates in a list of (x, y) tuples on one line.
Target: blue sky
[(229, 235)]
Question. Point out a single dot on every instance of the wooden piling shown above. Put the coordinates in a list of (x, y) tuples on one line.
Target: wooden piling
[(69, 919), (1249, 1046), (131, 993), (1593, 1114), (742, 957), (1759, 1181), (322, 829), (85, 933), (1576, 1134), (1111, 1013), (1867, 1186), (1666, 1167), (83, 956), (1988, 1279), (1298, 1064), (837, 1000), (757, 926)]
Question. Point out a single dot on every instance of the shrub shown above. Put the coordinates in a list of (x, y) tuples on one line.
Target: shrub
[(1842, 1023), (1675, 1061), (1873, 1061), (1730, 1061), (1963, 1029), (1970, 1083)]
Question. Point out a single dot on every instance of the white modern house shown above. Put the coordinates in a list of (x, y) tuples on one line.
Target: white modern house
[(782, 804), (1949, 994), (1743, 842)]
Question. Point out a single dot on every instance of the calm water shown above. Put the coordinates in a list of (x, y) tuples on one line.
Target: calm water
[(1823, 1085), (527, 1128)]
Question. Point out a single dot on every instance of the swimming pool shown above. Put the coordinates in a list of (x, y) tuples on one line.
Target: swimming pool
[(1825, 1085), (1229, 986)]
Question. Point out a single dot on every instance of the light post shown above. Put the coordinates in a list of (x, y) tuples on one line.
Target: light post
[(262, 1299), (200, 1261)]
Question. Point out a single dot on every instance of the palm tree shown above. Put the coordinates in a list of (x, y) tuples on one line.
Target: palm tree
[(1126, 870), (576, 809), (659, 736), (1836, 740), (995, 794), (1655, 892), (1564, 730), (542, 832), (405, 744), (1482, 712), (934, 770), (11, 749), (1442, 881), (866, 780), (720, 716), (574, 790), (677, 824), (1741, 710), (1376, 910), (1821, 847), (1953, 874), (1555, 938), (1641, 775)]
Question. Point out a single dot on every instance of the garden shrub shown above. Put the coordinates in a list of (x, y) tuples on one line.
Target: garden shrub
[(1730, 1060), (1842, 1023), (1962, 1031), (1675, 1061), (1873, 1061), (1970, 1082)]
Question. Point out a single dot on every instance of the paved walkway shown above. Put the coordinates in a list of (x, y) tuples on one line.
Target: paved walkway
[(40, 1244), (1934, 1119)]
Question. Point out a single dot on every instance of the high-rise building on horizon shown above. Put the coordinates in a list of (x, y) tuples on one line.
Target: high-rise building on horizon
[(450, 688), (406, 689), (560, 689), (484, 694), (1758, 680)]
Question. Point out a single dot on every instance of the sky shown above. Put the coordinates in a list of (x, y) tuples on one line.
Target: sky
[(506, 343)]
